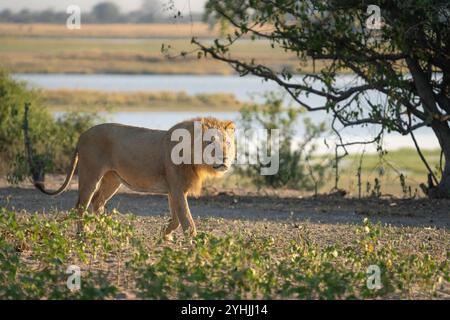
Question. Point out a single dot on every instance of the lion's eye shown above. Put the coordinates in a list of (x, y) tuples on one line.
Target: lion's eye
[(213, 138)]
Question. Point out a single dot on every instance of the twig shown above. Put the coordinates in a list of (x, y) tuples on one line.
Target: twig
[(423, 158), (336, 172), (359, 173), (34, 167), (26, 137)]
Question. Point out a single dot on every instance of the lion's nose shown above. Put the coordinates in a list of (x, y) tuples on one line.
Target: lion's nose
[(221, 167)]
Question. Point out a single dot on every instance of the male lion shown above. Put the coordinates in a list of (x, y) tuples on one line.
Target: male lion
[(109, 155)]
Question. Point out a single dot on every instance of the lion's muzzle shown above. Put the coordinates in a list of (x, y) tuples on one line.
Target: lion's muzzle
[(220, 167)]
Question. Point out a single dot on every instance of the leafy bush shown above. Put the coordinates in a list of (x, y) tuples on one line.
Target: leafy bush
[(53, 141), (299, 167), (35, 251), (254, 266), (68, 128), (13, 96)]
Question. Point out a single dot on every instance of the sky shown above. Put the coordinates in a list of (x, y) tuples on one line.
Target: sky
[(125, 5)]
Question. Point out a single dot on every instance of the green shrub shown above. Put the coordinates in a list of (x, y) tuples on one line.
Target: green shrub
[(35, 251), (299, 168), (13, 96), (255, 267), (52, 141), (69, 126)]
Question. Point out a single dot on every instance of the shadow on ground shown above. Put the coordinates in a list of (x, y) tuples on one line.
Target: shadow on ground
[(329, 210)]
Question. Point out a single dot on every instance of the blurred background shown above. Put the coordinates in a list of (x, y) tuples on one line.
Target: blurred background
[(128, 63)]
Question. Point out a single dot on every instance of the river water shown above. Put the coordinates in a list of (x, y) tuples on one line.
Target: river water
[(244, 88)]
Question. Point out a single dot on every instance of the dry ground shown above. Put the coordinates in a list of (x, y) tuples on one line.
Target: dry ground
[(287, 206)]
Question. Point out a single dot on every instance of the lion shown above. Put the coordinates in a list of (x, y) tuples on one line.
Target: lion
[(111, 155)]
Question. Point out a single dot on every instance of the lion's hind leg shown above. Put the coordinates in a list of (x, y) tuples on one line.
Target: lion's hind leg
[(88, 183), (109, 185)]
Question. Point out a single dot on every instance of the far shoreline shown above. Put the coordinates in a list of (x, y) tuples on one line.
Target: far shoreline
[(80, 100)]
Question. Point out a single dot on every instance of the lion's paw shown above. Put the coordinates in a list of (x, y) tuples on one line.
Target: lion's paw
[(165, 236)]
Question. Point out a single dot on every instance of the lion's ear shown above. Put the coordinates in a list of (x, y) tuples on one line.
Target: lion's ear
[(229, 125)]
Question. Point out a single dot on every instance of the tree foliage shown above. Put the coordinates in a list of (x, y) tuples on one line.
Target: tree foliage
[(406, 60)]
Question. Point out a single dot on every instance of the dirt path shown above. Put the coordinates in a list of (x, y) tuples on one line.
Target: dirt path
[(322, 210)]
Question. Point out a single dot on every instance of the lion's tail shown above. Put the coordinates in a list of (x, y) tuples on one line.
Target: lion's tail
[(40, 184)]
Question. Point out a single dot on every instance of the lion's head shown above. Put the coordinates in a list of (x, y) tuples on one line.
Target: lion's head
[(206, 143)]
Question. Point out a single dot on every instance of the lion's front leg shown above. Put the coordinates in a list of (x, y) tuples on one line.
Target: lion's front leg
[(179, 204)]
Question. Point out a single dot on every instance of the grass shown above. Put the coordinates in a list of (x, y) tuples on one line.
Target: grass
[(90, 100), (141, 31), (75, 55), (131, 49), (386, 170), (406, 160), (243, 260)]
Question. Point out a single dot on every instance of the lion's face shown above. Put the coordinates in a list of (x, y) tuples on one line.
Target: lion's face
[(219, 148), (227, 145)]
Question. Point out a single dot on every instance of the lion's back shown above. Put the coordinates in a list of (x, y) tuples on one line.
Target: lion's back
[(119, 144), (113, 133)]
